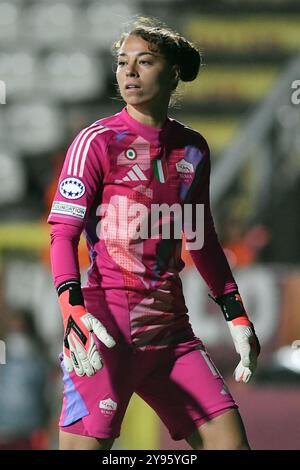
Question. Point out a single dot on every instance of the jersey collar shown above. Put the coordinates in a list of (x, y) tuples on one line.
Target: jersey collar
[(152, 134)]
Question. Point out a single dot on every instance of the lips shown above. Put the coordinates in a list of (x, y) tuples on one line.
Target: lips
[(130, 86)]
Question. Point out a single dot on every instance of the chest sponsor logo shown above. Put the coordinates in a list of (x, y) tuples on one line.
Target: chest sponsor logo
[(72, 188), (184, 167)]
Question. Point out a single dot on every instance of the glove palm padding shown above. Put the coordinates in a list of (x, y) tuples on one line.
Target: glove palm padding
[(80, 350), (247, 346)]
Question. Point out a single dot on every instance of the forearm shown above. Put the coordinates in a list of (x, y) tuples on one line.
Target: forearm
[(212, 264), (64, 252)]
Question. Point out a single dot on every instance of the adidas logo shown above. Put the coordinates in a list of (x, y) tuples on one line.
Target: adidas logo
[(135, 174)]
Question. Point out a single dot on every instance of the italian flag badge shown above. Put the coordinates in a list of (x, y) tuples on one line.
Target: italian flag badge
[(160, 170)]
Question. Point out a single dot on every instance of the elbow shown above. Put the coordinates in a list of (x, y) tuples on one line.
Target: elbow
[(64, 232)]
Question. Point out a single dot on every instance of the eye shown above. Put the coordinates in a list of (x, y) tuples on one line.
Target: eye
[(145, 62), (121, 63)]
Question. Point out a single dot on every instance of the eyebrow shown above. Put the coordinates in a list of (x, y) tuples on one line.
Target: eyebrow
[(139, 54)]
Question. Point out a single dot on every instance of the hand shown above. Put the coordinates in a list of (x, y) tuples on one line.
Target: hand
[(247, 346), (80, 350)]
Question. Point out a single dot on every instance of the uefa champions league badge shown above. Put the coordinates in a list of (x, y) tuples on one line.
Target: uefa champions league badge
[(72, 188), (130, 153)]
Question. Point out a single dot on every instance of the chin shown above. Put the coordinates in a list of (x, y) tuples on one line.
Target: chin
[(134, 100)]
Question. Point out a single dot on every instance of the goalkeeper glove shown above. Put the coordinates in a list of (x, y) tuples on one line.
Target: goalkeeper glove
[(243, 334), (80, 350)]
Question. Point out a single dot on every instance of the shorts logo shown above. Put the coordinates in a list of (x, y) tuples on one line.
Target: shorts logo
[(130, 153), (66, 208), (72, 188), (108, 406), (184, 167)]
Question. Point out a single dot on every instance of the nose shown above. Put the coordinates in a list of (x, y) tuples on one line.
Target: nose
[(131, 70), (131, 73)]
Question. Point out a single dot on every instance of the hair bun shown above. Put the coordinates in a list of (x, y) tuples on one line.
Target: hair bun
[(189, 60)]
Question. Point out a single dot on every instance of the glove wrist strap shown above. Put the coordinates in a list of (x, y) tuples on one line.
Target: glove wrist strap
[(232, 306), (75, 293)]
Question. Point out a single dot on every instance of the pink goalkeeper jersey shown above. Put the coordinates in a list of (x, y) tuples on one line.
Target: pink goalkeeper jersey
[(115, 172)]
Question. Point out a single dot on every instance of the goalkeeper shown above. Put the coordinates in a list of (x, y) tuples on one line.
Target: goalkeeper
[(127, 330)]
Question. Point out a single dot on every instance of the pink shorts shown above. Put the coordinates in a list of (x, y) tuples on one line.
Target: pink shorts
[(179, 382)]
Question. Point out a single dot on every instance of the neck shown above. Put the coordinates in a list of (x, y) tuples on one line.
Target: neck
[(149, 117)]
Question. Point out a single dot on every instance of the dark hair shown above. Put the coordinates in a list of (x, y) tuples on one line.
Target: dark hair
[(176, 49)]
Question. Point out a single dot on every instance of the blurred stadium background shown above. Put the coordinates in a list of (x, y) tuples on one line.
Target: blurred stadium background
[(56, 64)]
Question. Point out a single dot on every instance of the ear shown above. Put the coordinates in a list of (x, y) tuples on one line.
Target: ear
[(175, 75), (175, 72)]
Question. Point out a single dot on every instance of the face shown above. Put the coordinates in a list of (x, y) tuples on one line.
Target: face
[(144, 77)]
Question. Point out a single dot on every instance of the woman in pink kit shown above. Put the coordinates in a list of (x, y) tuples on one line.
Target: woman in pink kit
[(128, 329)]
